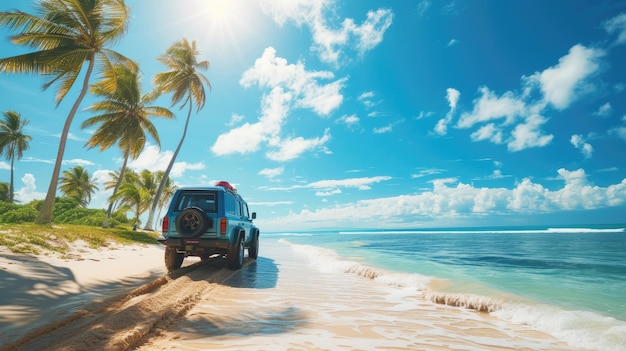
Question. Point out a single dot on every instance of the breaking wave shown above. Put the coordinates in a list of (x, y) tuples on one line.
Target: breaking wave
[(580, 329)]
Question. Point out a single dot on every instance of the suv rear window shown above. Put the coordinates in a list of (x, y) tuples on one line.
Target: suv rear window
[(207, 201)]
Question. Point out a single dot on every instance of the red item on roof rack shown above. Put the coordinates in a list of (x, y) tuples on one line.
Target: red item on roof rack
[(226, 185)]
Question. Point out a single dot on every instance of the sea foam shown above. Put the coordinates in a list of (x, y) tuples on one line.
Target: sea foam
[(578, 328)]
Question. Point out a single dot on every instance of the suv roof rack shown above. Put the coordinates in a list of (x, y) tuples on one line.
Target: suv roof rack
[(226, 185)]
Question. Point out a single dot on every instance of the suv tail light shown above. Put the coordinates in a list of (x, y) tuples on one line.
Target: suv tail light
[(223, 226), (165, 226)]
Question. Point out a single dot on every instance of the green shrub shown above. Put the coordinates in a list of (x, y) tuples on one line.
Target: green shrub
[(20, 214), (6, 207)]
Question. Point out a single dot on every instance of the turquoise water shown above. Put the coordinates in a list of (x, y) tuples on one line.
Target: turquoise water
[(570, 282)]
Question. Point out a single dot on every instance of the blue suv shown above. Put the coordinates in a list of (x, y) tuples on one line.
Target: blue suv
[(203, 221)]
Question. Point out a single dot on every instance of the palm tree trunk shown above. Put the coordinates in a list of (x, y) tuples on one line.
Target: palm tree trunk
[(11, 181), (45, 213), (117, 186), (159, 193)]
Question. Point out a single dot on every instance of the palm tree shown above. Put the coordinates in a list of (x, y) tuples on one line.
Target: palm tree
[(124, 119), (136, 192), (77, 184), (168, 192), (65, 34), (13, 142), (186, 84)]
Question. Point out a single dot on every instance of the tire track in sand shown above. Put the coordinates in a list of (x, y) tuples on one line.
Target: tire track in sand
[(124, 321)]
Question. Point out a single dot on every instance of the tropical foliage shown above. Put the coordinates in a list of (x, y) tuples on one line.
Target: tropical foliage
[(13, 141), (137, 191), (123, 119), (66, 34), (186, 84), (76, 184)]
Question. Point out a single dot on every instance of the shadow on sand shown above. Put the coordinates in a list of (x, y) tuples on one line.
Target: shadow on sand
[(46, 292)]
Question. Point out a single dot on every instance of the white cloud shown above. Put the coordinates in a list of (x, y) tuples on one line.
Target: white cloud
[(234, 119), (488, 132), (490, 107), (529, 134), (350, 121), (77, 162), (452, 42), (426, 172), (363, 183), (328, 193), (422, 7), (291, 86), (382, 130), (271, 172), (155, 160), (617, 25), (291, 148), (563, 83), (447, 201), (604, 110), (579, 143), (519, 119), (4, 165), (366, 99), (28, 192), (330, 42), (452, 95)]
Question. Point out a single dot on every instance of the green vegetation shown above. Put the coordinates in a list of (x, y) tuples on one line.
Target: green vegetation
[(71, 39), (73, 224), (30, 238)]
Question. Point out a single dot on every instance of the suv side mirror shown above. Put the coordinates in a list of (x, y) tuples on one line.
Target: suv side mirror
[(253, 215)]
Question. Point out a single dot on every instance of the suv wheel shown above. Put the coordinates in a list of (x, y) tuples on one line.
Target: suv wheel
[(173, 259), (253, 250), (235, 254), (192, 221)]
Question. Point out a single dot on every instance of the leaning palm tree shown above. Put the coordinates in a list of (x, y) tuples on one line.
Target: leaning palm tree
[(123, 119), (13, 142), (168, 192), (186, 84), (65, 35), (77, 184)]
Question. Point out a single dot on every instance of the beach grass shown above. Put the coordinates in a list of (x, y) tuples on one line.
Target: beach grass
[(28, 238)]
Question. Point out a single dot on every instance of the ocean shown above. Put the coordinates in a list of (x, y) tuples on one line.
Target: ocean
[(569, 283)]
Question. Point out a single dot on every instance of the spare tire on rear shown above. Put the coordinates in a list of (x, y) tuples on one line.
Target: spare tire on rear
[(192, 221)]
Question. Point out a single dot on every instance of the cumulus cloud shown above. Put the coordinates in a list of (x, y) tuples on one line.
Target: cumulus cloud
[(451, 200), (518, 119), (330, 42), (579, 143), (291, 148), (154, 160), (563, 83), (290, 86), (28, 192)]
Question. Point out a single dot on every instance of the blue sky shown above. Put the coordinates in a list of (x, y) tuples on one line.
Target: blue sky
[(353, 114)]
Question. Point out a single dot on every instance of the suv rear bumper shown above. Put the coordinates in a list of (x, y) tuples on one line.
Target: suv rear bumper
[(196, 246)]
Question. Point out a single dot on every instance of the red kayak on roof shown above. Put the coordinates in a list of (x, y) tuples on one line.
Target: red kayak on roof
[(226, 185)]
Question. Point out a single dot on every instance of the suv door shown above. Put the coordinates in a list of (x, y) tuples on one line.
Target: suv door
[(245, 220)]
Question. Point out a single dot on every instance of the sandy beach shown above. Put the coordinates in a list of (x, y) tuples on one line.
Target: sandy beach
[(278, 302)]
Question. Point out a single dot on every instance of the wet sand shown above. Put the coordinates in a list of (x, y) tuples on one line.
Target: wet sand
[(282, 302)]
